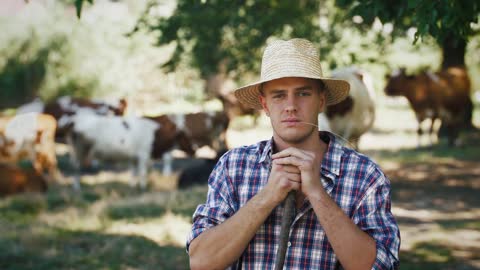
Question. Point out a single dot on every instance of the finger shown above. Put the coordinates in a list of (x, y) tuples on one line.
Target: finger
[(290, 169), (290, 161), (295, 185), (294, 177), (291, 151)]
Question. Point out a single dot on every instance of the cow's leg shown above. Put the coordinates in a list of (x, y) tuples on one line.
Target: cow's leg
[(419, 131), (167, 163), (142, 171), (431, 131), (75, 158), (134, 172)]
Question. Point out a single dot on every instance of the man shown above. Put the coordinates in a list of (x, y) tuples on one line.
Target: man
[(343, 216)]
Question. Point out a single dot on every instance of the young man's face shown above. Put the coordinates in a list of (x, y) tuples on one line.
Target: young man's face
[(290, 101)]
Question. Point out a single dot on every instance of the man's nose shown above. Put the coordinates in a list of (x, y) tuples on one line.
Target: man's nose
[(291, 105)]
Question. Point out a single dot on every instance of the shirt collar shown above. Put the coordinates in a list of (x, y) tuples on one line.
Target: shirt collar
[(266, 151), (333, 156), (331, 161)]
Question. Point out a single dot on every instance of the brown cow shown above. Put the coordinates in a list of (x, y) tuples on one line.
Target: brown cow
[(30, 136), (442, 95), (15, 180)]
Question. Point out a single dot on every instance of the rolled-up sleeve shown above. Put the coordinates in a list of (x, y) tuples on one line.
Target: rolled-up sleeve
[(219, 205), (374, 217)]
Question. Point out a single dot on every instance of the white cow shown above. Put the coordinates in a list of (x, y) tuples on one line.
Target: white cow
[(131, 138), (112, 138), (355, 115)]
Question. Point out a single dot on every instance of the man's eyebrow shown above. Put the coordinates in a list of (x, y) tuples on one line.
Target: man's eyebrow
[(306, 87), (277, 91)]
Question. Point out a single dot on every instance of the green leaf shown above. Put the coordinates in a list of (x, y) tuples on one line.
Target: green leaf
[(412, 4), (78, 6)]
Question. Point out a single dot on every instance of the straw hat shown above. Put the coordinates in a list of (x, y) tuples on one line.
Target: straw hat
[(291, 58)]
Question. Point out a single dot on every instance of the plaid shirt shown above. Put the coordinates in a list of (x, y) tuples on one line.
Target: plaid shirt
[(352, 180)]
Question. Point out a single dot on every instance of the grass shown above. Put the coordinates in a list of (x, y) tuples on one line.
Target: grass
[(60, 230), (428, 256)]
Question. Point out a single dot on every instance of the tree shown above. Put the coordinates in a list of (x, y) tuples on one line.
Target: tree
[(225, 37), (448, 22)]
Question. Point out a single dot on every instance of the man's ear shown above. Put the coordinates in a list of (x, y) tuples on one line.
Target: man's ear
[(262, 100), (322, 102)]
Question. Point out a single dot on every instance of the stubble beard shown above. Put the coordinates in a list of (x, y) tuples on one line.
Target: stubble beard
[(297, 138)]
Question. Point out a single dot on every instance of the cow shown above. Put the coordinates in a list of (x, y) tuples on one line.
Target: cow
[(198, 174), (15, 180), (233, 108), (355, 115), (122, 138), (200, 129), (30, 136), (64, 107), (204, 128), (443, 95)]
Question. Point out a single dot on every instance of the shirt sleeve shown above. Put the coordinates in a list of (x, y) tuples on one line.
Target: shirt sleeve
[(374, 217), (219, 205)]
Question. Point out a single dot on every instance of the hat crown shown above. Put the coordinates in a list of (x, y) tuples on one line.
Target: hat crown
[(290, 58)]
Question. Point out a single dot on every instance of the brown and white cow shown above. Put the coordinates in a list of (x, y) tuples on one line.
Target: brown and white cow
[(64, 107), (204, 128), (123, 138), (443, 95), (30, 136), (15, 180), (355, 115), (199, 129)]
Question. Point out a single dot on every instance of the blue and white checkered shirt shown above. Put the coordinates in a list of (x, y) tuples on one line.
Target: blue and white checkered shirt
[(354, 182)]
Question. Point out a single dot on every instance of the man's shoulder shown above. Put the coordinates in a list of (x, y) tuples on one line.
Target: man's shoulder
[(354, 158)]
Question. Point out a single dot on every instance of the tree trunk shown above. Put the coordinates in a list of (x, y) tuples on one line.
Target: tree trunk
[(453, 51)]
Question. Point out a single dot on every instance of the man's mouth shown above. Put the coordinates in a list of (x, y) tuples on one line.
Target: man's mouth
[(291, 121)]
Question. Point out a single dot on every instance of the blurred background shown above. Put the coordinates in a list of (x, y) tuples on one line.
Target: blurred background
[(76, 76)]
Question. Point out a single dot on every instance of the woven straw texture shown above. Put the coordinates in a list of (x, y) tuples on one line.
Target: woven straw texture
[(292, 58)]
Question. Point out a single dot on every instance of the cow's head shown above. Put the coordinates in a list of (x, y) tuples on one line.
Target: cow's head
[(397, 83), (119, 109)]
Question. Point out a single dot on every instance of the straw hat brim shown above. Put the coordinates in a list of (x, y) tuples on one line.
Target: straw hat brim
[(335, 90)]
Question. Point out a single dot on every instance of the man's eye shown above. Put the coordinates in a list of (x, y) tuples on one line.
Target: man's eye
[(278, 96), (304, 94)]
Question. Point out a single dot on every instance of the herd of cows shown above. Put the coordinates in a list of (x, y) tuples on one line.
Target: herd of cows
[(95, 129)]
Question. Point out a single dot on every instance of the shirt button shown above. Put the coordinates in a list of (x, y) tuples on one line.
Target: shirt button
[(289, 244)]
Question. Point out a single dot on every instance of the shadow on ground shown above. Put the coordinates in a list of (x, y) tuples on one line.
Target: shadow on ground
[(51, 248)]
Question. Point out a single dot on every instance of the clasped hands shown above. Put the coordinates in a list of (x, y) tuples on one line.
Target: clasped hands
[(293, 169)]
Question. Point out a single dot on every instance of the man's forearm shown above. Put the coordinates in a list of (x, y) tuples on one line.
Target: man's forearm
[(222, 245), (354, 248)]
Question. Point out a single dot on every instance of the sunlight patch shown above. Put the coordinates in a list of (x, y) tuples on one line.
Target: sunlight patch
[(170, 229)]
